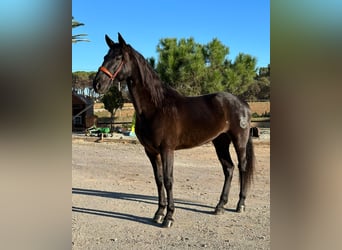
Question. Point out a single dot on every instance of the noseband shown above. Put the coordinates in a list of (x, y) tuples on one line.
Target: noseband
[(106, 71)]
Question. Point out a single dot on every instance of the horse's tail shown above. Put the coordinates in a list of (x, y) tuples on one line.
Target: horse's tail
[(250, 166)]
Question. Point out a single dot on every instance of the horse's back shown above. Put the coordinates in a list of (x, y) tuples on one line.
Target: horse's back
[(223, 104)]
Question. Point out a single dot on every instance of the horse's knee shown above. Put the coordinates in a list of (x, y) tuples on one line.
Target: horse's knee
[(159, 179), (168, 182)]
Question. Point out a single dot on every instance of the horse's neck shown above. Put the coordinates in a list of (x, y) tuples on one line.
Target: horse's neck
[(142, 102), (147, 96)]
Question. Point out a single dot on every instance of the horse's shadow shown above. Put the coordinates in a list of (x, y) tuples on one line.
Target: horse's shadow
[(180, 204), (117, 215)]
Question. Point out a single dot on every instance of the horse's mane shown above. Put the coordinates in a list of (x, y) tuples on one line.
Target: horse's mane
[(150, 79)]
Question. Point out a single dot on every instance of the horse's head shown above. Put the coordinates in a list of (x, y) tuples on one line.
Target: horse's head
[(114, 67)]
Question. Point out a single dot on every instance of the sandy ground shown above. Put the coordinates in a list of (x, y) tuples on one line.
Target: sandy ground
[(114, 198)]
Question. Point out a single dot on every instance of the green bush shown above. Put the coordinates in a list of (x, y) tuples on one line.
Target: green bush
[(265, 114)]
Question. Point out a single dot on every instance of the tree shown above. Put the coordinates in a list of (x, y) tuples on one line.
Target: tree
[(151, 61), (91, 77), (82, 83), (181, 64), (215, 54), (78, 37), (79, 82), (260, 89), (194, 69), (265, 71), (113, 101), (240, 75)]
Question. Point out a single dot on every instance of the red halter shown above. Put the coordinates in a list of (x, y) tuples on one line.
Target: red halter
[(106, 71)]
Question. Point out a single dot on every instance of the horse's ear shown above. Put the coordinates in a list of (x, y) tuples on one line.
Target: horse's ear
[(121, 40), (109, 41)]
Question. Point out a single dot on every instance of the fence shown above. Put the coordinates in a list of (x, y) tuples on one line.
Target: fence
[(124, 115)]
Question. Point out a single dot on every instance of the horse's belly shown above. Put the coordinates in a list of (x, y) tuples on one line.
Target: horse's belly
[(197, 138)]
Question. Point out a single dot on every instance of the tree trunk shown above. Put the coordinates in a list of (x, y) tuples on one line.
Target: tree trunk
[(111, 122)]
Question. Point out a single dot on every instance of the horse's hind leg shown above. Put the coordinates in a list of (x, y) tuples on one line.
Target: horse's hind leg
[(159, 178), (244, 150), (221, 144)]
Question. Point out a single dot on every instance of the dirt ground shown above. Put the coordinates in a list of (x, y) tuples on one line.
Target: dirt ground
[(114, 198)]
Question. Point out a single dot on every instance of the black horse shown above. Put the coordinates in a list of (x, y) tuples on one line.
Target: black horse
[(167, 121)]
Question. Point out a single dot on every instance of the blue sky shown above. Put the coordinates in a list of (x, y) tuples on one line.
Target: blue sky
[(241, 25)]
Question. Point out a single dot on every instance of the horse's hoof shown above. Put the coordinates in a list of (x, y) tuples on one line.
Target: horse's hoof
[(158, 218), (219, 210), (241, 209), (167, 223)]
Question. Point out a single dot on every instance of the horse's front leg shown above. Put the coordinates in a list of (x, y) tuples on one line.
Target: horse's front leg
[(167, 161), (158, 175)]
